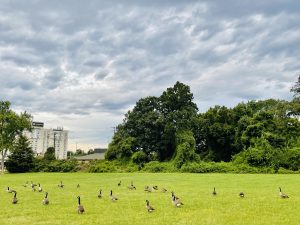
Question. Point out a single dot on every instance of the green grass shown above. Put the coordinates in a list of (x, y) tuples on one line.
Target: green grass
[(261, 204)]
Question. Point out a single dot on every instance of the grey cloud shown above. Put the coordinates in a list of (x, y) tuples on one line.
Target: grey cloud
[(84, 58)]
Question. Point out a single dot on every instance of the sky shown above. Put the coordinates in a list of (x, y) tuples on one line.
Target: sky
[(82, 65)]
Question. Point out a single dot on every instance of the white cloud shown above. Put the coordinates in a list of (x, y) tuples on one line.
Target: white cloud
[(82, 65)]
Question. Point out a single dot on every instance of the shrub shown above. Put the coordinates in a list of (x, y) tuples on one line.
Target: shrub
[(155, 167), (139, 157), (185, 148), (42, 165)]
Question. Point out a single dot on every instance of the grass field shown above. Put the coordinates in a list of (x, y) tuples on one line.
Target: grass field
[(261, 204)]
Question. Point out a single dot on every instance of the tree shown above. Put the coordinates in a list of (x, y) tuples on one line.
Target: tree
[(50, 154), (11, 127), (21, 158), (296, 88), (152, 124), (79, 152), (90, 151)]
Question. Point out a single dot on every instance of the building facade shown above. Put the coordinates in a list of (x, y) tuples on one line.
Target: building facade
[(41, 139)]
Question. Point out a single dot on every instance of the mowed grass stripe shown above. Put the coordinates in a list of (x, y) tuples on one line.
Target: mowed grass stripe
[(261, 204)]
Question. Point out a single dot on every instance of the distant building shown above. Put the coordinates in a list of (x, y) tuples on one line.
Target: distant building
[(41, 139)]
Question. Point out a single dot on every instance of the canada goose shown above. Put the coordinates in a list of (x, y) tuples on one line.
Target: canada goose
[(176, 201), (131, 187), (148, 189), (112, 197), (78, 185), (15, 200), (173, 195), (242, 195), (119, 184), (46, 200), (32, 184), (80, 208), (282, 195), (214, 193), (164, 190), (10, 190), (100, 193), (40, 189), (61, 185), (149, 207)]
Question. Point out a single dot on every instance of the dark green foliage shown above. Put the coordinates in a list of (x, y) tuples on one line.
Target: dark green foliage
[(42, 165), (185, 148), (21, 158), (50, 154), (11, 127), (152, 124), (168, 127), (139, 157), (105, 166)]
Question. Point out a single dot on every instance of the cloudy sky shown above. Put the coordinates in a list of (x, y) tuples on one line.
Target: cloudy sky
[(83, 64)]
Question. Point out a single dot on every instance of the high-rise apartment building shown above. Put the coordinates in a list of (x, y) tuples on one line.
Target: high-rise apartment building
[(41, 139)]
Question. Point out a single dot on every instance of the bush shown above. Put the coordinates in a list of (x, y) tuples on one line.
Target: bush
[(139, 157), (42, 165), (105, 166), (185, 148), (155, 167)]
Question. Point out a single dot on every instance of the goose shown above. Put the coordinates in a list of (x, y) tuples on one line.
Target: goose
[(61, 185), (149, 207), (176, 201), (131, 187), (46, 200), (40, 189), (80, 208), (119, 184), (112, 197), (242, 194), (100, 193), (282, 195), (10, 190), (173, 195), (214, 193), (15, 200), (164, 190), (148, 189), (32, 184)]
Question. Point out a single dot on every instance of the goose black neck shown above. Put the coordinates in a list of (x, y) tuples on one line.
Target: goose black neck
[(111, 192), (46, 195), (78, 200), (15, 194)]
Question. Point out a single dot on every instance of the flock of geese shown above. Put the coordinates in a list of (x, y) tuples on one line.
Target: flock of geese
[(176, 201)]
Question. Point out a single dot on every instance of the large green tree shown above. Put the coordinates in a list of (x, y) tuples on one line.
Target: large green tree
[(21, 159), (12, 125), (151, 126)]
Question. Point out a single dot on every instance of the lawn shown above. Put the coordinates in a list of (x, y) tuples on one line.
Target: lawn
[(261, 204)]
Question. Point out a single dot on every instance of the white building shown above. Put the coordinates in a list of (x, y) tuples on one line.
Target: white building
[(41, 139)]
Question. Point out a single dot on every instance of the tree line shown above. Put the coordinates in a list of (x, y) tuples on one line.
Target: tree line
[(170, 128)]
